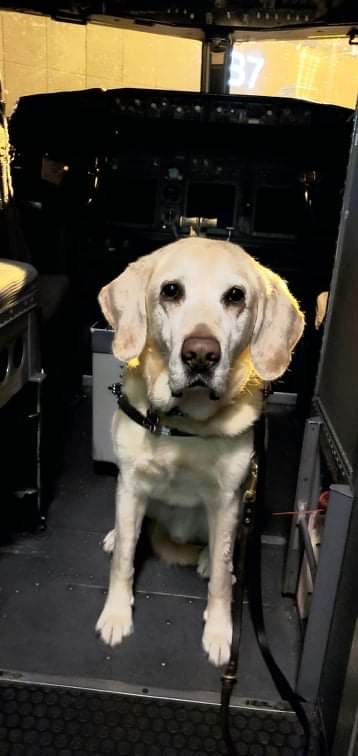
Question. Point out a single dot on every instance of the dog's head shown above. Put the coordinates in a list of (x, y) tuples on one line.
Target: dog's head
[(193, 310)]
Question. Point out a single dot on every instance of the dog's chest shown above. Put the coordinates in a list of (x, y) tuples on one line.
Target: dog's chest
[(186, 472), (175, 479)]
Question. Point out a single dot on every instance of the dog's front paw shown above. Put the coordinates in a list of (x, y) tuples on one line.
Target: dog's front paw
[(108, 542), (217, 637), (115, 623)]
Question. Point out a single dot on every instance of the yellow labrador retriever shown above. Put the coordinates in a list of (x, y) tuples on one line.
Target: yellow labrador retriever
[(209, 324)]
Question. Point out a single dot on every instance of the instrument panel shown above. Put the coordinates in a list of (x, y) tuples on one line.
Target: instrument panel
[(224, 194), (257, 170)]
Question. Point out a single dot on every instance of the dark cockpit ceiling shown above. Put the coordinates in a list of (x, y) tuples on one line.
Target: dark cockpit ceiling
[(205, 20)]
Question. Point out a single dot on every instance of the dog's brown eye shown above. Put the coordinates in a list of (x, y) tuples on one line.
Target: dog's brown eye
[(235, 295), (173, 291)]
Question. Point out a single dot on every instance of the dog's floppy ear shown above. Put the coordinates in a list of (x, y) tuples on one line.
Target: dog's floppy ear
[(279, 326), (123, 304)]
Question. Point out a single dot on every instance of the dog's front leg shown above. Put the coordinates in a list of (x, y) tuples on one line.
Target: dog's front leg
[(218, 623), (115, 622)]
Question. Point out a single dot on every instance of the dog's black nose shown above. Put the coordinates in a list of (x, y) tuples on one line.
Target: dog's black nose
[(200, 353)]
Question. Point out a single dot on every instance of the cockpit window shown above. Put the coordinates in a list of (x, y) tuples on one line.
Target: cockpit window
[(322, 70), (40, 55)]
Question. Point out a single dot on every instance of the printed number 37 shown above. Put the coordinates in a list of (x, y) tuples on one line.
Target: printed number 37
[(244, 69)]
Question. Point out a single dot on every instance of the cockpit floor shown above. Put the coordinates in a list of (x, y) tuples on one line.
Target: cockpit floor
[(53, 584)]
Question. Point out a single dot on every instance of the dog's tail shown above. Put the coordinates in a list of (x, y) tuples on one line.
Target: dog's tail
[(184, 554)]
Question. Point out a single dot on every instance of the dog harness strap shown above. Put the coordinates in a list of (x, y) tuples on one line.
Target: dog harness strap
[(150, 421)]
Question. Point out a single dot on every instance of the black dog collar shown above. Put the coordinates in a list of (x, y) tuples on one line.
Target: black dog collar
[(150, 421)]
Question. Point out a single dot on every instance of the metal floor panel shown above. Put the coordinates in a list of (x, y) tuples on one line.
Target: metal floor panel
[(47, 628)]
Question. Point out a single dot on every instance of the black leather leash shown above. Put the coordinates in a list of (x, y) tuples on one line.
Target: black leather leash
[(248, 574)]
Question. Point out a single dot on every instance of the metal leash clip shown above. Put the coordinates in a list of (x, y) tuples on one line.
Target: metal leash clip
[(152, 421), (116, 389)]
